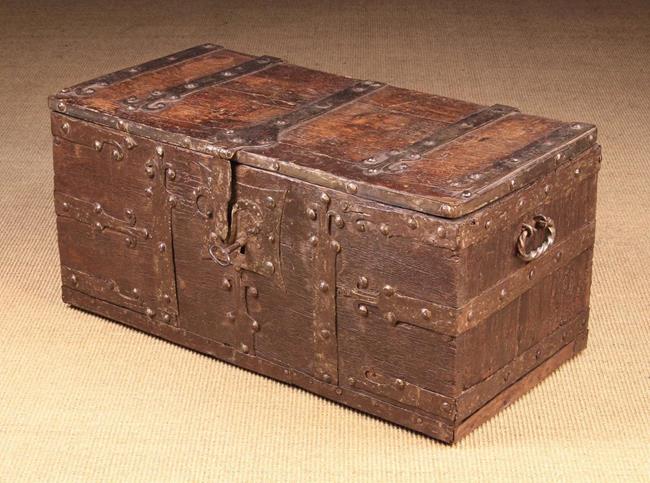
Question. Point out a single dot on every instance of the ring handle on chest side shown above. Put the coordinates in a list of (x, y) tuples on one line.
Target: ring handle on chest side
[(540, 222)]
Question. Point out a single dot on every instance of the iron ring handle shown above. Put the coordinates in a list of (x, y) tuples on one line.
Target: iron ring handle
[(540, 222)]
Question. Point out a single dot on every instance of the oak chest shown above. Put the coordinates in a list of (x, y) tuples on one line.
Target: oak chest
[(421, 259)]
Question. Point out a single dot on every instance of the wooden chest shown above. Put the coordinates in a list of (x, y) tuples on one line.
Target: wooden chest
[(421, 259)]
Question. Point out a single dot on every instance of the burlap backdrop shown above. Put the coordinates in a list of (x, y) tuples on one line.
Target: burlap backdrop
[(85, 399)]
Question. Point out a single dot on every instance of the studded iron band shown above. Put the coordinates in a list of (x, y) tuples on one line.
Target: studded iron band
[(90, 87), (269, 131), (398, 160), (159, 100)]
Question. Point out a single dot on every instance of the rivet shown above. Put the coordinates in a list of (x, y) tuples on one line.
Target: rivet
[(412, 223), (446, 208), (466, 194), (418, 420), (230, 315), (388, 290), (149, 192), (244, 348), (547, 189), (98, 226), (65, 127), (98, 145), (255, 326), (336, 246), (327, 378), (135, 292), (162, 247), (166, 318), (167, 299), (383, 228), (268, 265), (252, 291), (160, 151), (338, 391), (325, 334), (61, 106), (73, 279), (171, 174), (97, 208), (171, 200), (512, 183), (150, 313), (391, 317), (270, 202), (130, 142), (313, 240), (150, 171), (338, 221), (311, 213), (591, 137), (577, 172), (440, 231), (275, 166), (502, 293), (361, 226), (66, 206), (323, 286), (324, 197), (488, 224), (128, 241), (351, 381), (538, 353), (352, 188), (116, 154), (470, 315), (558, 156), (400, 384), (363, 310), (271, 238), (362, 282), (187, 142), (226, 284), (426, 314)]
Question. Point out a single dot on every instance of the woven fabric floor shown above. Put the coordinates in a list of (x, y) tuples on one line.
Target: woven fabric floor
[(82, 398)]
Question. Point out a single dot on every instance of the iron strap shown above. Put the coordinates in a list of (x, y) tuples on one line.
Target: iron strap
[(398, 160), (159, 100), (88, 88)]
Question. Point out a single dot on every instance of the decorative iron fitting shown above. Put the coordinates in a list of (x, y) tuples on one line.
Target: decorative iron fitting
[(103, 289), (254, 224), (163, 261), (270, 131), (396, 389), (325, 365), (90, 87), (159, 100), (398, 160), (94, 215)]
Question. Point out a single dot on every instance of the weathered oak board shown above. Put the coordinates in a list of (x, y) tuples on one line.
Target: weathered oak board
[(422, 259)]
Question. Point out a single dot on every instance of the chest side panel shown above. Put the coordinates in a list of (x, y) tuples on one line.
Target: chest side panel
[(114, 224)]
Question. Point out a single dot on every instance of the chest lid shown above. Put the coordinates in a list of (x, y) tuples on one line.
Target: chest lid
[(433, 154)]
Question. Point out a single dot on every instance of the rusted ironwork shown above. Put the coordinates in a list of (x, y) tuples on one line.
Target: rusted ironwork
[(540, 222), (94, 215), (159, 100), (271, 130), (163, 260), (400, 159), (325, 254), (92, 86)]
